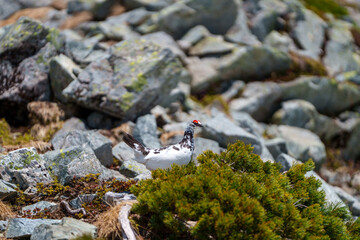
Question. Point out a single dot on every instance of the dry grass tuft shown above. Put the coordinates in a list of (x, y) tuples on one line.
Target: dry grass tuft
[(40, 146), (45, 112), (108, 224), (5, 211)]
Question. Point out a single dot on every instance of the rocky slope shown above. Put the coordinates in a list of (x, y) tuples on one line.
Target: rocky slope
[(281, 75)]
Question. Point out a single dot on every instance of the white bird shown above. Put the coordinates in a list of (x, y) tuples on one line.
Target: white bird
[(180, 153)]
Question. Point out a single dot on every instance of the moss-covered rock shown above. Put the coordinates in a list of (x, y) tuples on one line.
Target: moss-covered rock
[(134, 79), (235, 195)]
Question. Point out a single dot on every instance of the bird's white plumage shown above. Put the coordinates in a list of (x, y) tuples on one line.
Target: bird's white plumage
[(166, 157)]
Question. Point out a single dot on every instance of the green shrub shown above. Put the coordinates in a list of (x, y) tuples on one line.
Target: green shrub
[(235, 195)]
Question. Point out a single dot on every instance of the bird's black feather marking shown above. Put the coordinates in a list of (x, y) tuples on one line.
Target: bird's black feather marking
[(135, 144)]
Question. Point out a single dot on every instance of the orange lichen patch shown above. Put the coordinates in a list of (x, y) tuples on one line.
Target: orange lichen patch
[(108, 224), (77, 19), (59, 4), (36, 13), (5, 211), (117, 9)]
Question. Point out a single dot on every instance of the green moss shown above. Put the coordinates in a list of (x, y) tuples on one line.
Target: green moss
[(54, 37), (235, 195), (139, 83), (8, 138), (321, 7), (126, 101)]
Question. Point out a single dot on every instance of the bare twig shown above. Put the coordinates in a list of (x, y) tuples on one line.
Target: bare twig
[(66, 206)]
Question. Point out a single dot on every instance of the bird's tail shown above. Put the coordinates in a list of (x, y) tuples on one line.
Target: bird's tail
[(135, 144)]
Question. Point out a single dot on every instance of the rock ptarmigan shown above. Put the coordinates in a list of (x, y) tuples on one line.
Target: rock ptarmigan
[(164, 157)]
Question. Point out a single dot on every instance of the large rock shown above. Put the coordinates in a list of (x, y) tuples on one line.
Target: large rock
[(42, 206), (251, 63), (123, 152), (224, 131), (280, 41), (203, 72), (330, 193), (92, 139), (34, 3), (239, 32), (99, 8), (340, 49), (130, 82), (193, 36), (85, 51), (276, 146), (145, 131), (216, 15), (203, 144), (7, 190), (350, 201), (68, 228), (259, 99), (301, 143), (23, 69), (211, 45), (309, 32), (151, 5), (132, 169), (24, 167), (302, 114), (286, 161), (328, 96), (24, 227), (8, 7), (352, 151), (75, 162), (245, 121), (61, 74)]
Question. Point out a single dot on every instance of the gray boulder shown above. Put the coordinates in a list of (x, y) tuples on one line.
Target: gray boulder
[(68, 228), (7, 190), (8, 8), (340, 49), (224, 131), (350, 201), (253, 62), (276, 146), (245, 121), (151, 5), (203, 72), (216, 15), (286, 161), (309, 32), (61, 74), (240, 32), (87, 50), (24, 167), (24, 227), (211, 45), (92, 139), (3, 225), (203, 144), (302, 114), (259, 99), (132, 169), (280, 41), (330, 194), (145, 131), (123, 152), (42, 206), (75, 162), (301, 143), (193, 36), (129, 83), (34, 3), (328, 96), (99, 8), (352, 151), (81, 199)]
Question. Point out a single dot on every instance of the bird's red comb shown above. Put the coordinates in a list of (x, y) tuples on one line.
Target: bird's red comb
[(196, 121)]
